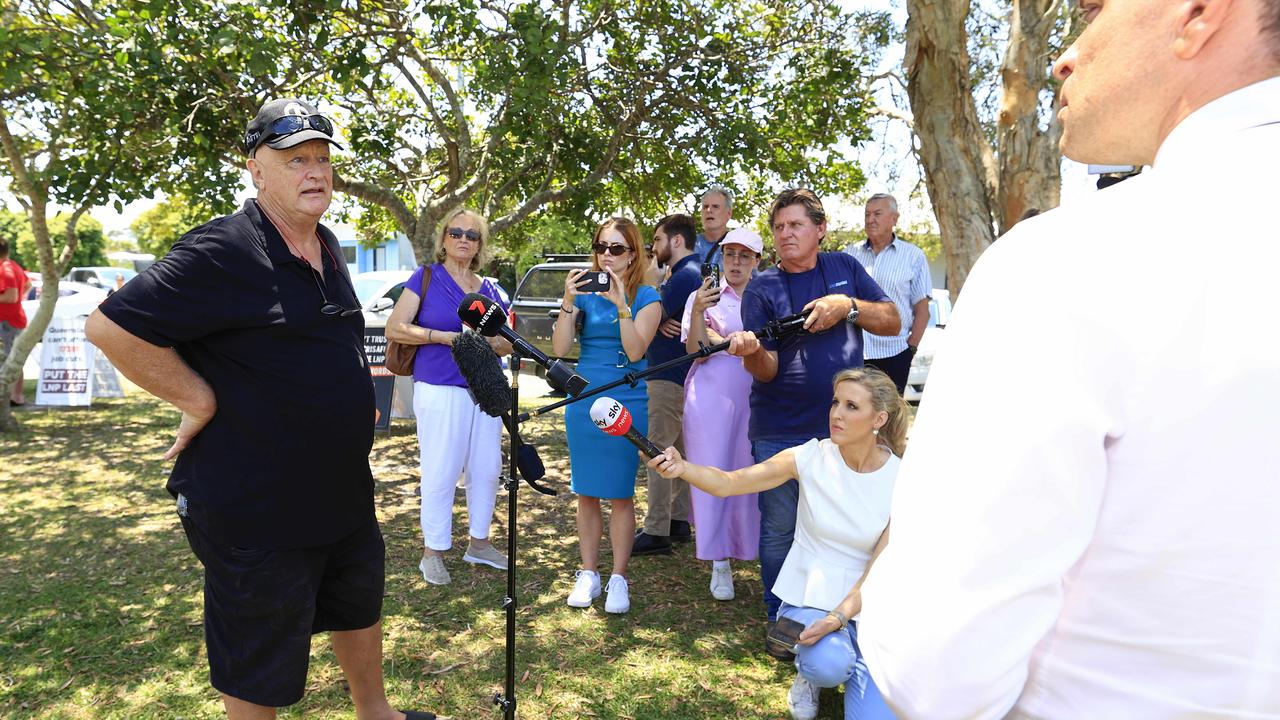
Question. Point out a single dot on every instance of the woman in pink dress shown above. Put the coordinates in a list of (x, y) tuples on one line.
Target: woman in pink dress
[(716, 411)]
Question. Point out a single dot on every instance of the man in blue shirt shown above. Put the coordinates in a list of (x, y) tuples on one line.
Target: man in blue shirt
[(667, 518), (717, 208), (791, 394)]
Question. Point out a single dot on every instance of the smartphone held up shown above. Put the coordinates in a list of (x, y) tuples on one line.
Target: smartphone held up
[(594, 281)]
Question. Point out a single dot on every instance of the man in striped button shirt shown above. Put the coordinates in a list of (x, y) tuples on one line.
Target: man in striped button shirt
[(902, 271)]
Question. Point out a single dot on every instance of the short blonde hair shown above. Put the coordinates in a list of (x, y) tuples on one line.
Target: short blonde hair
[(482, 254)]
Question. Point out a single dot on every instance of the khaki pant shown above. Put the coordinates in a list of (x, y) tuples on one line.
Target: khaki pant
[(668, 499)]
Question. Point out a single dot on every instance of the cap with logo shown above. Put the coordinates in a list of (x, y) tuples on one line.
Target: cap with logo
[(286, 122)]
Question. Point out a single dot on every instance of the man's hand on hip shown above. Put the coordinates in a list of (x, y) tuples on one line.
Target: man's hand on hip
[(190, 426), (826, 312)]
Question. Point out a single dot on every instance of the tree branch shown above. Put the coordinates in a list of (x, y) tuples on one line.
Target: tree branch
[(21, 175), (382, 197), (546, 195), (894, 114)]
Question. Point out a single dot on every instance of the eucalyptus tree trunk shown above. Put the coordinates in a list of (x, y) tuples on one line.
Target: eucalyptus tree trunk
[(1027, 149), (959, 168), (979, 191)]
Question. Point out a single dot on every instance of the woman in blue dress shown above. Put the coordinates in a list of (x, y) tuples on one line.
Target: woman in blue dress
[(614, 329)]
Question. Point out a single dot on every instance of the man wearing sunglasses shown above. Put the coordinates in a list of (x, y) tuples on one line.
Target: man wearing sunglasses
[(251, 328)]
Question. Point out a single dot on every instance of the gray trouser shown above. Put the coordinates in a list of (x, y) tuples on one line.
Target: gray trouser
[(668, 499)]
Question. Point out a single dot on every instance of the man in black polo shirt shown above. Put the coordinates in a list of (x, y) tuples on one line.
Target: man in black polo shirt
[(250, 327)]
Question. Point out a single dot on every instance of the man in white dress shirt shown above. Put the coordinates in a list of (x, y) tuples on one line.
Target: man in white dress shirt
[(902, 271), (1109, 547)]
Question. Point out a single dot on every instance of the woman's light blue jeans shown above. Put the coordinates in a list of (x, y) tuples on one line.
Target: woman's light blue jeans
[(836, 659)]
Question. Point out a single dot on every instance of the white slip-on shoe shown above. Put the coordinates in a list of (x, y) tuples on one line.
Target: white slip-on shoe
[(487, 555), (433, 570), (802, 700), (585, 589), (619, 599), (721, 580)]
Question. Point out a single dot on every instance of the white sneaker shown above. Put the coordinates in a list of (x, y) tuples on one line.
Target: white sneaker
[(487, 555), (585, 589), (721, 580), (433, 570), (619, 600), (802, 701)]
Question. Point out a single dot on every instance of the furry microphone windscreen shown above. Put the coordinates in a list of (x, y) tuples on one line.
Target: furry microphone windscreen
[(479, 366)]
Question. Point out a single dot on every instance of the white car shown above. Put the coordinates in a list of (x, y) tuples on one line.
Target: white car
[(74, 298), (939, 315), (378, 292)]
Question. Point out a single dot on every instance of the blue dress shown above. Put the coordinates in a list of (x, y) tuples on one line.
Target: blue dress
[(601, 465)]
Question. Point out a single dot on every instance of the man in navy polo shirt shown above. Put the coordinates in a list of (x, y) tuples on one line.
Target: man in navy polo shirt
[(791, 394), (251, 327), (667, 517)]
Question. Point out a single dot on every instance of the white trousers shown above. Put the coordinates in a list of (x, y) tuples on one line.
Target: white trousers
[(454, 437)]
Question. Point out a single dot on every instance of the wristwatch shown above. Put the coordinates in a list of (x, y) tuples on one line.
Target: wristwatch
[(852, 317), (624, 313)]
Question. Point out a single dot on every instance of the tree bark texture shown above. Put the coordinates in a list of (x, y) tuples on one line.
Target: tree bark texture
[(1029, 159), (959, 173)]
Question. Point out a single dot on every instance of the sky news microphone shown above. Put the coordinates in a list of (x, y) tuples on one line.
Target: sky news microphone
[(614, 418), (479, 366), (488, 319)]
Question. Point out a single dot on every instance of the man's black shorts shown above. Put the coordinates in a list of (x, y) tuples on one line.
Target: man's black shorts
[(261, 608)]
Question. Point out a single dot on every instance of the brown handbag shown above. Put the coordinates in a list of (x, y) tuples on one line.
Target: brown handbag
[(400, 356)]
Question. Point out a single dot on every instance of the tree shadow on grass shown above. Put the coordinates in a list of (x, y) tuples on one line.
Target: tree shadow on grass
[(100, 597)]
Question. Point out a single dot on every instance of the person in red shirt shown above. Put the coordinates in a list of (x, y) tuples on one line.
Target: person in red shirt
[(13, 287)]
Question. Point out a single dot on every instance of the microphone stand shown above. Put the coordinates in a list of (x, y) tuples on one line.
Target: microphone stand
[(776, 330), (511, 481)]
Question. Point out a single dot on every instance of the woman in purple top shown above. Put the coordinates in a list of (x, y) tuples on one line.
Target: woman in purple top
[(454, 436), (716, 413)]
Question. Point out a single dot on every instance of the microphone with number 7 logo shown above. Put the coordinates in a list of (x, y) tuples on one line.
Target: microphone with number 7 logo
[(614, 418)]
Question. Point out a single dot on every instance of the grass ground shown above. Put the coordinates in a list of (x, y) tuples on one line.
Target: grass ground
[(100, 598)]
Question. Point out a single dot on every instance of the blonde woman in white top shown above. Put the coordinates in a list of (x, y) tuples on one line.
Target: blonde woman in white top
[(842, 524)]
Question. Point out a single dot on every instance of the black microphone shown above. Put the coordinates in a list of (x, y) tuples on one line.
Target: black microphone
[(614, 418), (487, 317), (479, 366)]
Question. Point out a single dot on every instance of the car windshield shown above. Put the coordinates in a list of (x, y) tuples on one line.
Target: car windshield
[(544, 284), (367, 289)]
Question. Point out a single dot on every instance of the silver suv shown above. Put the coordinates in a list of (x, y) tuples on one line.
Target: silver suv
[(537, 303)]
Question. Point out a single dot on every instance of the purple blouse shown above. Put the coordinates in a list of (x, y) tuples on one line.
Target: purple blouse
[(439, 311)]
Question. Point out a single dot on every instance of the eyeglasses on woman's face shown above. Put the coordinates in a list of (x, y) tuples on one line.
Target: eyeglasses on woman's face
[(614, 249), (458, 233), (736, 257)]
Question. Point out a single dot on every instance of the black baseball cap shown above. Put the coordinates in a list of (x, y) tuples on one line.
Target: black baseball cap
[(286, 122)]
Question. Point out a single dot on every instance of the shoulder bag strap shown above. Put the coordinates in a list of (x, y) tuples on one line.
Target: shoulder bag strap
[(422, 295)]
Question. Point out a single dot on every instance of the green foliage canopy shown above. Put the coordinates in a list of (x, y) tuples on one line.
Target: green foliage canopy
[(580, 109)]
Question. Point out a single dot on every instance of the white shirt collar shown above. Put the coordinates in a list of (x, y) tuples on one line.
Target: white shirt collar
[(1250, 106)]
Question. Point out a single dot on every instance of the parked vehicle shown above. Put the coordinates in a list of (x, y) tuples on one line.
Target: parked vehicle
[(102, 277), (74, 298), (939, 315), (378, 292), (537, 303)]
